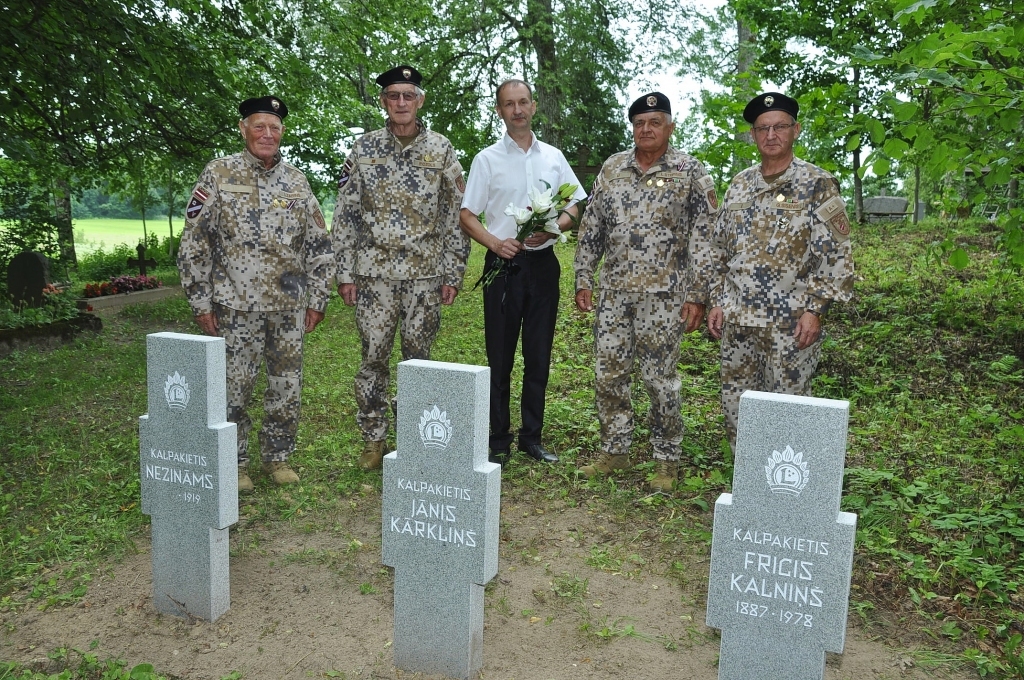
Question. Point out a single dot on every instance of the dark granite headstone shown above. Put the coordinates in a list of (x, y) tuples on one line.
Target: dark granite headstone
[(781, 551), (440, 517), (27, 275), (188, 468)]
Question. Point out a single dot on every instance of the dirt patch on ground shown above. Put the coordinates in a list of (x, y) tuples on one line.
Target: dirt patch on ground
[(577, 595)]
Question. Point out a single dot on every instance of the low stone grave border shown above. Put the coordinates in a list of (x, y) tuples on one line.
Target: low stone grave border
[(124, 299)]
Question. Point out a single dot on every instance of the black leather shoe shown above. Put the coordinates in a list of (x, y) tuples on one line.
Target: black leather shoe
[(499, 456), (538, 452)]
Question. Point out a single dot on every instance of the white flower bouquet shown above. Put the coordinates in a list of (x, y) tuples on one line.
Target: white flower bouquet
[(541, 215)]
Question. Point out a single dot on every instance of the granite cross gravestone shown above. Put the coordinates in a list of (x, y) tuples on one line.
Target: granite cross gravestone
[(188, 467), (781, 551), (440, 517)]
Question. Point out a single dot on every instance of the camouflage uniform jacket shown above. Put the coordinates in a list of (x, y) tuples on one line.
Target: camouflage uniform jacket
[(781, 249), (254, 239), (397, 215), (647, 225)]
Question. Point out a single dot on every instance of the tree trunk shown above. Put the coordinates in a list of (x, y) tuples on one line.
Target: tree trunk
[(539, 25), (170, 213), (745, 53), (917, 190), (62, 215), (858, 185)]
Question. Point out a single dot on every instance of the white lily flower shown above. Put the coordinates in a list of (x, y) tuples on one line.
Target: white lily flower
[(520, 215), (542, 201), (551, 227)]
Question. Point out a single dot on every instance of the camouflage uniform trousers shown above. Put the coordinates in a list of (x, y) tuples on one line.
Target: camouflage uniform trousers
[(251, 338), (764, 359), (645, 327), (381, 305)]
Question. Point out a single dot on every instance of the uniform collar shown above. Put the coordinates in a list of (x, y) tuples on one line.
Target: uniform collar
[(659, 165), (257, 164), (420, 129)]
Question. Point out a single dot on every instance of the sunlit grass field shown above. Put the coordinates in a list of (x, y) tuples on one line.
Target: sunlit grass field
[(106, 233)]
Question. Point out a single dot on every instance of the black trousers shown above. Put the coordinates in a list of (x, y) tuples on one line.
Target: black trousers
[(526, 299)]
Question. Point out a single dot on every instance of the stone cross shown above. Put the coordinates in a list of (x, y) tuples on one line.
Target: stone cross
[(188, 465), (782, 552), (141, 262), (440, 517)]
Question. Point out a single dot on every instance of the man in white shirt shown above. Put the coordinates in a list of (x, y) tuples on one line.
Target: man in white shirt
[(526, 294)]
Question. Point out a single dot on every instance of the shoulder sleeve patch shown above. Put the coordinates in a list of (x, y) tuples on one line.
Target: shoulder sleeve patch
[(200, 196), (833, 213), (346, 172), (707, 186), (454, 174), (318, 217)]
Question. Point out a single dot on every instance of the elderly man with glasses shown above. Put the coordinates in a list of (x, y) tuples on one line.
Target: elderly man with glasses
[(400, 252), (780, 257)]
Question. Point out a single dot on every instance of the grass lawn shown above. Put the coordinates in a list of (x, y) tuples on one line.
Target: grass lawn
[(105, 233), (931, 359)]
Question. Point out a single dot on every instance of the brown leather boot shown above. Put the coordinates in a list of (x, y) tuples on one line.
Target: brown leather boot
[(245, 484), (373, 455), (280, 473), (666, 474), (605, 464)]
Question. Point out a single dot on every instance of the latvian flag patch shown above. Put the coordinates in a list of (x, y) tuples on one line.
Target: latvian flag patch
[(195, 206)]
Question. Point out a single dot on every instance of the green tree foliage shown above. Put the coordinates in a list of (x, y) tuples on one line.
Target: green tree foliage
[(956, 104)]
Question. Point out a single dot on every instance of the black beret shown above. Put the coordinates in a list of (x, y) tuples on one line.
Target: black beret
[(770, 101), (400, 74), (652, 101), (266, 104)]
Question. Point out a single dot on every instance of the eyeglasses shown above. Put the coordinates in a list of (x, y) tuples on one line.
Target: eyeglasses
[(404, 96), (778, 129)]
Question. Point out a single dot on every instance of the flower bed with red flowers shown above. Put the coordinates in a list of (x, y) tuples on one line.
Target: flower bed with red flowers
[(121, 284)]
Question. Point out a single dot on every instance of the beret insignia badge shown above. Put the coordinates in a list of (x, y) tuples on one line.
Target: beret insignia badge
[(652, 100), (406, 73), (769, 100), (275, 104)]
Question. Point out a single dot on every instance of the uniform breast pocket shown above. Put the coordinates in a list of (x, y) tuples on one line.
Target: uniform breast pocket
[(790, 235), (237, 220), (286, 211), (672, 201)]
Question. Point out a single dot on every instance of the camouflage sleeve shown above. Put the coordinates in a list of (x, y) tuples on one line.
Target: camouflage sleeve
[(591, 239), (196, 251), (832, 279), (716, 265), (347, 216), (703, 210), (456, 243), (318, 256)]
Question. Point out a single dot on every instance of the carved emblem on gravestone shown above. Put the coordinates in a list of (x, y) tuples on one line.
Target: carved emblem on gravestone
[(435, 428), (177, 392), (787, 472)]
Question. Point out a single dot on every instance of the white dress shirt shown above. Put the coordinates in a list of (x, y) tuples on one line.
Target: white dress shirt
[(503, 173)]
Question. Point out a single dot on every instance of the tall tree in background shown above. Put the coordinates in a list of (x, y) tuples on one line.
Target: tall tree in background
[(87, 82)]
